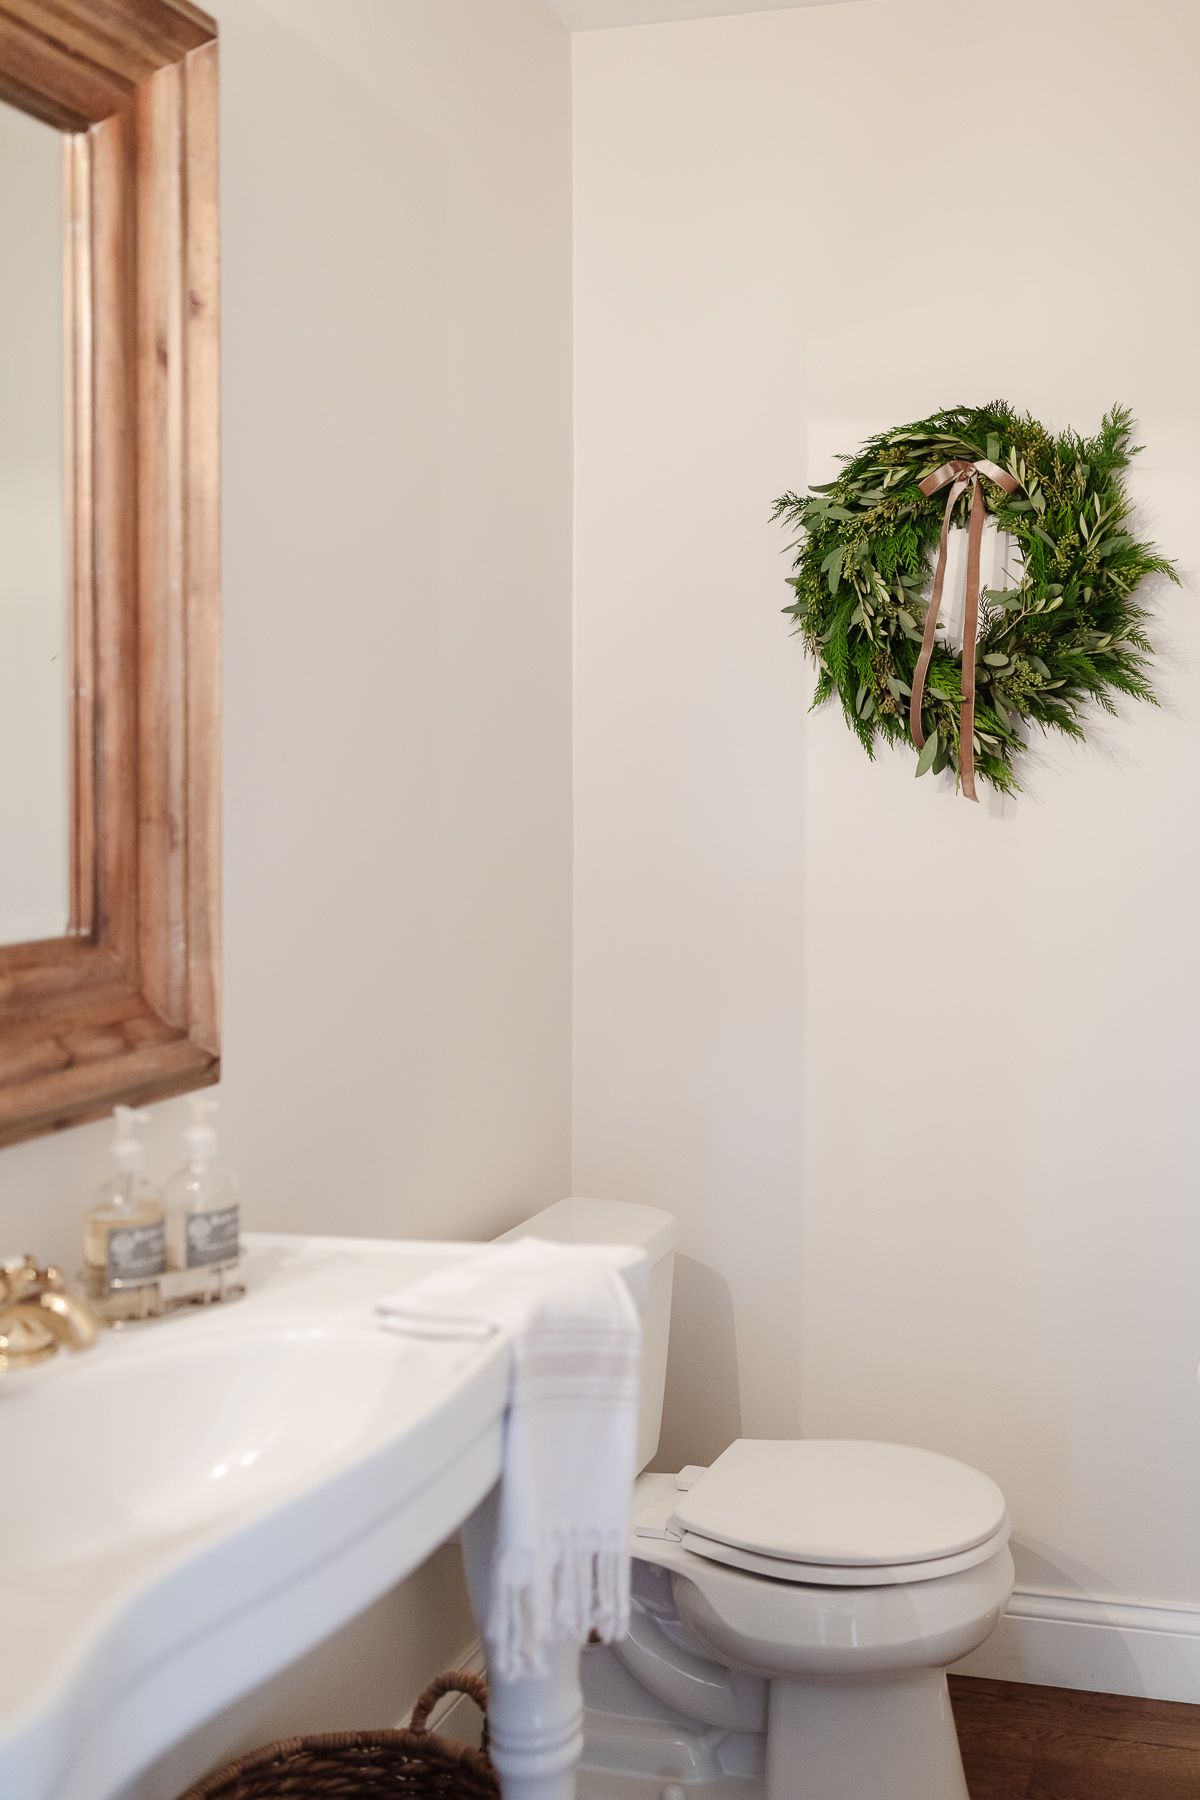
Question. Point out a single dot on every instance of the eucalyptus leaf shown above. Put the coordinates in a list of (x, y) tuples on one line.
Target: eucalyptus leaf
[(928, 753)]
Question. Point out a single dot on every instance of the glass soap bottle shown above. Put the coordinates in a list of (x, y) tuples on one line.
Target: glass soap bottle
[(203, 1207), (124, 1234)]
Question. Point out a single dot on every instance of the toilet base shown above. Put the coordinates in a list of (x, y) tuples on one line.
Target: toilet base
[(891, 1739), (863, 1739), (611, 1784), (882, 1734)]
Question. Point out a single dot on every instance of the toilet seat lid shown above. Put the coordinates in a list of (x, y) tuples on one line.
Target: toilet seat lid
[(842, 1502)]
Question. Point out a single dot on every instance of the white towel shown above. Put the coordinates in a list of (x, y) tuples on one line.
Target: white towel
[(561, 1567)]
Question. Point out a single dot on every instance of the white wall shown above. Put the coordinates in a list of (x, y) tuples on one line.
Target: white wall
[(397, 481), (34, 666), (793, 229)]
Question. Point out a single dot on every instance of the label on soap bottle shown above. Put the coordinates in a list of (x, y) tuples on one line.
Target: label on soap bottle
[(212, 1237), (136, 1253)]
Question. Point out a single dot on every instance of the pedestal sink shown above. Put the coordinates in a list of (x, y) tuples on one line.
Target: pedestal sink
[(196, 1502)]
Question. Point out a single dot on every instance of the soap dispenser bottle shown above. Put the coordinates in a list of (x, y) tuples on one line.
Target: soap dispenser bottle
[(124, 1238), (203, 1209)]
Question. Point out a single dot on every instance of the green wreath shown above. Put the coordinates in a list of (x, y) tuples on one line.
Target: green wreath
[(1071, 630)]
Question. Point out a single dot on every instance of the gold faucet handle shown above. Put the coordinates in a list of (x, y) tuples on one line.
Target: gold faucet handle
[(23, 1277), (38, 1313)]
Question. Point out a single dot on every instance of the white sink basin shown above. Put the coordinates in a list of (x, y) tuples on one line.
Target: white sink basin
[(193, 1504), (193, 1435)]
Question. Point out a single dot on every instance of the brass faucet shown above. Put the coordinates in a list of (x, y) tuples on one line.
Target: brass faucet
[(37, 1315)]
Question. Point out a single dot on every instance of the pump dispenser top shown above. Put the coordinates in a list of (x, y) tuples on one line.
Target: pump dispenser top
[(128, 1150), (200, 1138)]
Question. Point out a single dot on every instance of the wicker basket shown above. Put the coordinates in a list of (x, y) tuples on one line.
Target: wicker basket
[(415, 1764)]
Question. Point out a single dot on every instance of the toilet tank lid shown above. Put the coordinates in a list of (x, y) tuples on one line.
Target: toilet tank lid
[(577, 1220)]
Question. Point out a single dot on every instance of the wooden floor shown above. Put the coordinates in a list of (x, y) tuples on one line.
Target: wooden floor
[(1037, 1743)]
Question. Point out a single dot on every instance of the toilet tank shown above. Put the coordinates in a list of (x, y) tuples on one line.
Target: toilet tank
[(655, 1233)]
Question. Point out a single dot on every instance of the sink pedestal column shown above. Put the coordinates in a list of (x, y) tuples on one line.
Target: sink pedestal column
[(536, 1722)]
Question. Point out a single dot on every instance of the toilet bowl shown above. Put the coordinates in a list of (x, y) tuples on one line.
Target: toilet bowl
[(831, 1588), (795, 1606)]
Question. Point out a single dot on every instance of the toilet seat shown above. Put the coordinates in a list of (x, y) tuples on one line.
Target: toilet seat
[(801, 1574), (841, 1513)]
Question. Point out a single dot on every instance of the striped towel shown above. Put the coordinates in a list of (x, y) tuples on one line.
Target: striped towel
[(561, 1568)]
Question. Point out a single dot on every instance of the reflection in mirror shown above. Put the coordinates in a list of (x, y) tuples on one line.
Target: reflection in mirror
[(34, 644)]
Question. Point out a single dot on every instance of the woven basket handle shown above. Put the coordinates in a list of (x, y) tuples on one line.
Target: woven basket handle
[(454, 1681)]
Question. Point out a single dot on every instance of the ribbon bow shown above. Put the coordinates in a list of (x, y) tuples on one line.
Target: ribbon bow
[(960, 475)]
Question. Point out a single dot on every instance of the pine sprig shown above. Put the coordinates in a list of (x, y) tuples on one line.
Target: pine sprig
[(1071, 633)]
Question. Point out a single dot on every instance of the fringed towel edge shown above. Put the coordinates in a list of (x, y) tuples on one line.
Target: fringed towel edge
[(574, 1585)]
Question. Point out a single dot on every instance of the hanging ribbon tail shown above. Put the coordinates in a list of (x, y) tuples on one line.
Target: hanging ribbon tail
[(966, 717), (948, 472), (959, 475)]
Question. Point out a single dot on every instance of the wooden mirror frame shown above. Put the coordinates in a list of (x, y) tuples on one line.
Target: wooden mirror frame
[(127, 1007)]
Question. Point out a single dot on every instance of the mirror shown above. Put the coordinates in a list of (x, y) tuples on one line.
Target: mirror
[(34, 643), (109, 558)]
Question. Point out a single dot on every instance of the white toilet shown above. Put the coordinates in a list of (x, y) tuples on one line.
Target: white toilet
[(795, 1606)]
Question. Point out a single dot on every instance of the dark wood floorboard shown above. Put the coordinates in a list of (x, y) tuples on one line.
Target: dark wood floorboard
[(1037, 1743), (996, 1778)]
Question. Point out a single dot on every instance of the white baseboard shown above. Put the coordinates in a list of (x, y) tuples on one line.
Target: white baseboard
[(1102, 1646)]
